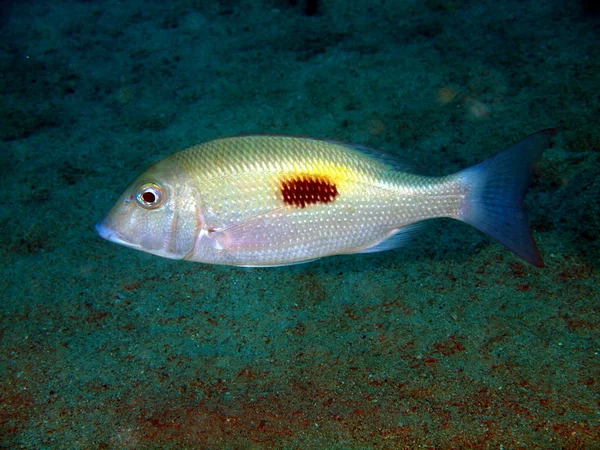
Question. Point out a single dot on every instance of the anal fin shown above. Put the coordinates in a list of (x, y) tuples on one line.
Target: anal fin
[(396, 238)]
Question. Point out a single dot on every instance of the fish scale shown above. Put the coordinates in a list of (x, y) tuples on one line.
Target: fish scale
[(261, 200), (365, 211)]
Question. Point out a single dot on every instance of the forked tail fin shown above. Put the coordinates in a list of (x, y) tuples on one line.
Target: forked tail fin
[(497, 188)]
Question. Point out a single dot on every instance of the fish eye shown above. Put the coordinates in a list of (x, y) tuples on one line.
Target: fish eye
[(150, 195)]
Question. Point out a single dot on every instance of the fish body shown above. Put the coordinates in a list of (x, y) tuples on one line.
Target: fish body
[(262, 200)]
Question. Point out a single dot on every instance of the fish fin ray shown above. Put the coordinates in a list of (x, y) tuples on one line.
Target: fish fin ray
[(496, 191), (251, 266), (390, 160), (245, 233), (397, 238)]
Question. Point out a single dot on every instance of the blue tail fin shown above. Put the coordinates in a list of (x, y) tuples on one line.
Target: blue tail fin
[(497, 188)]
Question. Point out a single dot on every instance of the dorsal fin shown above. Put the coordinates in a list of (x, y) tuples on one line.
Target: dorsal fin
[(394, 162)]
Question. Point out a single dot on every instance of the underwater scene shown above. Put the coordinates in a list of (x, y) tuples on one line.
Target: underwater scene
[(237, 295)]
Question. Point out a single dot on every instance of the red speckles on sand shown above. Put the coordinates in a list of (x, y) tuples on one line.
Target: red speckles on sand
[(14, 410), (449, 347)]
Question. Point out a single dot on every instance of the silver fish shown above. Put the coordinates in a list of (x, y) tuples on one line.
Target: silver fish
[(262, 200)]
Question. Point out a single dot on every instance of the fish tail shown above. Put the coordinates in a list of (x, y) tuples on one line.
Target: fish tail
[(496, 190)]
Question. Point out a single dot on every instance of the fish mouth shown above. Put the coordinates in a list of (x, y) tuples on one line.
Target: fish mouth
[(112, 236)]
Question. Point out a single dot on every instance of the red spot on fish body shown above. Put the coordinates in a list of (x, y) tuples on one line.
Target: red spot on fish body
[(304, 190)]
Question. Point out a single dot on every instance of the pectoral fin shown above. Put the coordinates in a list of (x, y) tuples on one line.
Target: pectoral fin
[(253, 233)]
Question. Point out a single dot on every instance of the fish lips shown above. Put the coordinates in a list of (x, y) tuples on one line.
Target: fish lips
[(110, 235)]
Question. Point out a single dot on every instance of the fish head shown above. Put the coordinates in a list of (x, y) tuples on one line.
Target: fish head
[(156, 214)]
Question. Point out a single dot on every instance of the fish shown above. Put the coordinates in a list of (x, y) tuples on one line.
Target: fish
[(275, 200)]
